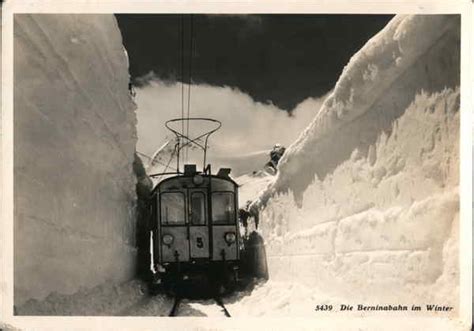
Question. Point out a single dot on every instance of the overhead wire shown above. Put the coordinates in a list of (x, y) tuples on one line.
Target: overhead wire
[(182, 79), (191, 55), (184, 133)]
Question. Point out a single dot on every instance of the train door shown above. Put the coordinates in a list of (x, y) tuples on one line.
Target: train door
[(198, 224), (173, 227), (224, 218)]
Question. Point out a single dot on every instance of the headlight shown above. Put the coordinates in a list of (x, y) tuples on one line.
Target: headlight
[(167, 239), (198, 180), (229, 237)]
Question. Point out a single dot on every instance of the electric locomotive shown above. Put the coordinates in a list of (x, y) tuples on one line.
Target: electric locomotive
[(195, 222)]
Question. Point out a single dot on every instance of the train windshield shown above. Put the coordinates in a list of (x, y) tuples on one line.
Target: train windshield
[(223, 207), (172, 208), (198, 208)]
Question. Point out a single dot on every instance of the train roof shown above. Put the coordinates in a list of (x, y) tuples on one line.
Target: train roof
[(190, 171)]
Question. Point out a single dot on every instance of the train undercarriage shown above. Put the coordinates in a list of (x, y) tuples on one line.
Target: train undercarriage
[(211, 279)]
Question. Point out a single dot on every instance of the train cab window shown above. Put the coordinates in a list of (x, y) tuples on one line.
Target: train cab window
[(172, 208), (223, 208), (198, 208)]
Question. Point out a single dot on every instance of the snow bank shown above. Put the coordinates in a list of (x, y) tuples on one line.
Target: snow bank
[(74, 148), (412, 53), (366, 201)]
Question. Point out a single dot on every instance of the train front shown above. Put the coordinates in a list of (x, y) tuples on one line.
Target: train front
[(196, 229)]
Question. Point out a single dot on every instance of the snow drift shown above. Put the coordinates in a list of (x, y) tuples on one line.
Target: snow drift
[(74, 146), (366, 201), (411, 54)]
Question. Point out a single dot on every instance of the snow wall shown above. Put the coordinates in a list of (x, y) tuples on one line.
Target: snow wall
[(75, 136), (366, 202)]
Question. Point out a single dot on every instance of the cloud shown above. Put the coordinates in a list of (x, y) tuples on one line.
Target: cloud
[(249, 128)]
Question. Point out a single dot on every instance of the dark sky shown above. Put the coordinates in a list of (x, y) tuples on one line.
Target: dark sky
[(282, 59)]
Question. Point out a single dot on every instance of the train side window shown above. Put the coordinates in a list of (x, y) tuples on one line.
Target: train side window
[(172, 208), (223, 208), (198, 208)]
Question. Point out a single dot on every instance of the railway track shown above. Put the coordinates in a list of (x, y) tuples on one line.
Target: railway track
[(177, 301), (221, 304)]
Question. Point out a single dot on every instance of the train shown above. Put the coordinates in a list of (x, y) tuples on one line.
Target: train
[(195, 227)]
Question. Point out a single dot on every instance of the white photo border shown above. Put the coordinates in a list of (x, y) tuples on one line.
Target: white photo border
[(337, 322)]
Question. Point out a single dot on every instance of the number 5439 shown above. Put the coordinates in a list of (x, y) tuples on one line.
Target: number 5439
[(323, 308)]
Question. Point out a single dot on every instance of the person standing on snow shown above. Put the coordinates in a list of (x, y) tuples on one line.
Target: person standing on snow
[(254, 213), (246, 213), (275, 155)]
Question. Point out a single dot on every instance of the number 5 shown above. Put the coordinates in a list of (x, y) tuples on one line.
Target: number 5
[(200, 244)]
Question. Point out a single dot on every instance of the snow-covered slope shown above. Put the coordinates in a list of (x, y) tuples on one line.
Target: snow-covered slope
[(366, 200), (252, 185), (411, 54)]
